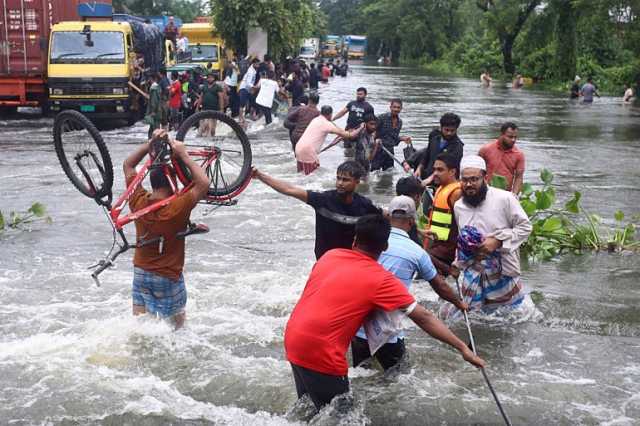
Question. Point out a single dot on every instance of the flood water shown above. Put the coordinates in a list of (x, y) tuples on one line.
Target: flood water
[(71, 353)]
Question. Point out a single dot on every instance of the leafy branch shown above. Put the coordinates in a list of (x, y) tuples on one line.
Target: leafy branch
[(570, 228), (20, 219)]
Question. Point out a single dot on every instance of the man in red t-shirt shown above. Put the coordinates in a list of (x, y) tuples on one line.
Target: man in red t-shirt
[(175, 100), (344, 287), (504, 159)]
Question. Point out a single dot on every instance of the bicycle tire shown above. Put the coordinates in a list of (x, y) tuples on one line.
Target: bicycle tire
[(232, 189), (66, 157)]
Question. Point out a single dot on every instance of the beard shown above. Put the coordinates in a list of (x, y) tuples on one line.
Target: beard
[(478, 198)]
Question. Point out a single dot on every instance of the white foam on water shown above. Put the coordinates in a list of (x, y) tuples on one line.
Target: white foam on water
[(559, 378)]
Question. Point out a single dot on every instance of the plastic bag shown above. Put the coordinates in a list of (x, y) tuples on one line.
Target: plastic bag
[(380, 326)]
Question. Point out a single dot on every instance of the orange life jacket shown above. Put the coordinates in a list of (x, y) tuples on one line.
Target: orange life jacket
[(441, 216)]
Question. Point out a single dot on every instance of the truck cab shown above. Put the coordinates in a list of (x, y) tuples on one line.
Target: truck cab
[(205, 46), (89, 67)]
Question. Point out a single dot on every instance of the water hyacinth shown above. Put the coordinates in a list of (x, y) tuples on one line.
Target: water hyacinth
[(570, 228)]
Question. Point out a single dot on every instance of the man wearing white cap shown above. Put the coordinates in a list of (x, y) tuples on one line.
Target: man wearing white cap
[(403, 258), (492, 227)]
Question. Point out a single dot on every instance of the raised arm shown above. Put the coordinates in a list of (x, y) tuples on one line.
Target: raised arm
[(281, 186), (436, 329), (198, 176), (130, 163), (340, 114)]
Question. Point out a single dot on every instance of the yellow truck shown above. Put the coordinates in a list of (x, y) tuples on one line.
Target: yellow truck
[(92, 63), (205, 46)]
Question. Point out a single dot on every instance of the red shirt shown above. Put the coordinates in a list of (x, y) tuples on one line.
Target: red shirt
[(176, 95), (343, 288), (326, 73), (502, 162)]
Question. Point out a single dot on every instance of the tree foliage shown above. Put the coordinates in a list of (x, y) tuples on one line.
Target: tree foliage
[(286, 22), (542, 39), (187, 10)]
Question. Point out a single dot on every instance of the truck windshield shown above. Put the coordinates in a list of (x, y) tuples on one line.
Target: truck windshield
[(356, 46), (308, 50), (106, 47), (204, 53)]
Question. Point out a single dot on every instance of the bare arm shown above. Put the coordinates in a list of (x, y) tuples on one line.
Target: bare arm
[(517, 182), (436, 329), (340, 114), (130, 163), (199, 177), (344, 134), (440, 286), (281, 186)]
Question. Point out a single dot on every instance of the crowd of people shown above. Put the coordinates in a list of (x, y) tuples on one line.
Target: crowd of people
[(445, 220), (249, 88)]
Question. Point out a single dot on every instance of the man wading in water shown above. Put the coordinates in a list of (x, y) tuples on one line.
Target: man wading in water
[(158, 283), (388, 136), (492, 227), (344, 287), (404, 259), (503, 158), (357, 110), (336, 211), (442, 227)]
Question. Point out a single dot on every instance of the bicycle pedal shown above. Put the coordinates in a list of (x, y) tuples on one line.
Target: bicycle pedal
[(193, 229)]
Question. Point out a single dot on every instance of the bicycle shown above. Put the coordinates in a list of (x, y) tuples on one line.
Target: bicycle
[(85, 159)]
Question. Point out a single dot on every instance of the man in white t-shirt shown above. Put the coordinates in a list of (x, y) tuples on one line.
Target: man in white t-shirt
[(246, 87), (268, 88)]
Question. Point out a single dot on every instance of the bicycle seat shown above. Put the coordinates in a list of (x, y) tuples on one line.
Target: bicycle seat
[(199, 228)]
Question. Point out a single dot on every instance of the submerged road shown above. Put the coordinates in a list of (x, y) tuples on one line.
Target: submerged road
[(71, 353)]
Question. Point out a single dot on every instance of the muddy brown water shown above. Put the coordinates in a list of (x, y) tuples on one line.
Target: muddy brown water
[(70, 352)]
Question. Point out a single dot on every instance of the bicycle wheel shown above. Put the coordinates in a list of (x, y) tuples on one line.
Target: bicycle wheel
[(214, 132), (83, 154)]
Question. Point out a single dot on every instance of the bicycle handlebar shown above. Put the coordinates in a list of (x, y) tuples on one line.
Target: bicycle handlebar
[(109, 261)]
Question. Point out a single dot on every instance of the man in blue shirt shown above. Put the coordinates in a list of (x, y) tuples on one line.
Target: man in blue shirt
[(404, 258)]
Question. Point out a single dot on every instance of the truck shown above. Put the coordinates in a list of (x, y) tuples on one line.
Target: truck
[(355, 46), (205, 46), (332, 46), (310, 48), (24, 40), (92, 65)]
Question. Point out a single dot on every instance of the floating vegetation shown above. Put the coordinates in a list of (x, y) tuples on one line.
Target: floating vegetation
[(570, 228)]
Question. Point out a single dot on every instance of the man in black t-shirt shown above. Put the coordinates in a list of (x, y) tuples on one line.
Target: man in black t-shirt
[(336, 211), (357, 110)]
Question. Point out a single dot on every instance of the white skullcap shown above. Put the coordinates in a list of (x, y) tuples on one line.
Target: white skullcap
[(473, 162), (577, 78)]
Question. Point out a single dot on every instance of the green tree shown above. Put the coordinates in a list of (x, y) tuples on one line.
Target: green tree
[(286, 22), (345, 16), (187, 10), (565, 58), (507, 18)]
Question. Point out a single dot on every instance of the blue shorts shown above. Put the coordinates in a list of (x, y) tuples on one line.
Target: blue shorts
[(245, 97), (159, 295)]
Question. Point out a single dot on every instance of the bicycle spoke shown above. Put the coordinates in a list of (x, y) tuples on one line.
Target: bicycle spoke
[(218, 135)]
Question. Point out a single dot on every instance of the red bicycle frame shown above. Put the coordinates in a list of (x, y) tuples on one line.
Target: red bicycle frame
[(210, 156)]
